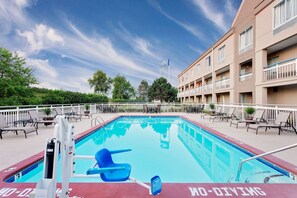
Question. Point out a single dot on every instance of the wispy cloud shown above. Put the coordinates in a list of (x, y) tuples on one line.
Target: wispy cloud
[(188, 27), (12, 14), (87, 52), (195, 49), (42, 67), (230, 8), (214, 14), (139, 44), (41, 37), (101, 49)]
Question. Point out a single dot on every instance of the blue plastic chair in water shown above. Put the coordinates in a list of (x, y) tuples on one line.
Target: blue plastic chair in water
[(112, 172)]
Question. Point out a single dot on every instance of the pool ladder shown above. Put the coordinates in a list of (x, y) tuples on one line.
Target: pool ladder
[(262, 155), (98, 120), (125, 111)]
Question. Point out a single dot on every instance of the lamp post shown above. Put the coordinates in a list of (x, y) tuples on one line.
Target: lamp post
[(165, 64)]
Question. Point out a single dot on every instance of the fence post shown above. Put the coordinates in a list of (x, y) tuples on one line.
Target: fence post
[(18, 113), (52, 108), (242, 112), (276, 71), (37, 109), (295, 115), (296, 67), (63, 109)]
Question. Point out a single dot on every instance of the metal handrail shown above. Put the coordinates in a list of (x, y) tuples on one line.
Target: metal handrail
[(262, 155), (96, 119), (125, 110)]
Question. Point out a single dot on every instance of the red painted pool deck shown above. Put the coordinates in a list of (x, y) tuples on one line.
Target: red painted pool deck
[(180, 190)]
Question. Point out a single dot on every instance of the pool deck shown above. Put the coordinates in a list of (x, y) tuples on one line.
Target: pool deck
[(14, 149)]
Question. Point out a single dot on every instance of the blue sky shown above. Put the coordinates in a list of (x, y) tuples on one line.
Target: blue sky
[(66, 41)]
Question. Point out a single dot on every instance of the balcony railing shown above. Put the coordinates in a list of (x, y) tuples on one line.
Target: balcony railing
[(244, 77), (222, 84), (199, 89), (207, 87), (281, 70)]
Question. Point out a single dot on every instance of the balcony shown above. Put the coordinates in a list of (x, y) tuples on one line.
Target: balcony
[(199, 90), (222, 84), (281, 70), (244, 77), (207, 87)]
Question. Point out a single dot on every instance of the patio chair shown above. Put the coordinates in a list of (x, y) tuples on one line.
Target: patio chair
[(258, 117), (77, 112), (158, 110), (38, 120), (69, 115), (229, 115), (214, 113), (200, 108), (218, 112), (4, 127), (280, 122), (145, 110)]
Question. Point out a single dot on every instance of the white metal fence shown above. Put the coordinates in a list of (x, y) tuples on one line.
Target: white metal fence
[(22, 113), (271, 111)]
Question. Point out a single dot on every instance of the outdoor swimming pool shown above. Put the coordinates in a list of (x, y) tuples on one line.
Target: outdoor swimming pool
[(171, 147)]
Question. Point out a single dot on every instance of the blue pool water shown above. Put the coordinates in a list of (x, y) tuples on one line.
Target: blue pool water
[(171, 147)]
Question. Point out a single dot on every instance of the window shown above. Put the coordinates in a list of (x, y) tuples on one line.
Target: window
[(242, 71), (246, 38), (198, 68), (284, 11), (272, 61), (208, 61), (221, 53)]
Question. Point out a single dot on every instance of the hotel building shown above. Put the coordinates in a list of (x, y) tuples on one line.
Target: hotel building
[(254, 62)]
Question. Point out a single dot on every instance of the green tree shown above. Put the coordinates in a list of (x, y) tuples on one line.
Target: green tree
[(162, 90), (122, 89), (143, 90), (100, 82), (15, 77)]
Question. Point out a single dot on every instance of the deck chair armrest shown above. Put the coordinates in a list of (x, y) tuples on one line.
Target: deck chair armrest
[(270, 121), (120, 151), (93, 171), (283, 123)]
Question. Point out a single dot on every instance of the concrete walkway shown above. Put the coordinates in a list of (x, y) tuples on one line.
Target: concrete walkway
[(16, 148)]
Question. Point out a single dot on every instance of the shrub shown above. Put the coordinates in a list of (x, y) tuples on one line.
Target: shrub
[(87, 106), (211, 106), (47, 111), (250, 110)]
